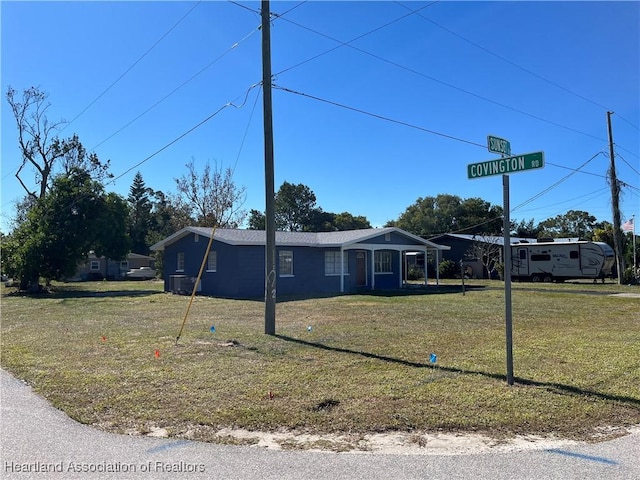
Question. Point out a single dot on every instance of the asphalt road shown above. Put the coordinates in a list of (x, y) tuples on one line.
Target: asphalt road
[(39, 442)]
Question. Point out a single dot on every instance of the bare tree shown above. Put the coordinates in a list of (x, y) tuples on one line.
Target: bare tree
[(487, 250), (41, 148), (36, 136), (212, 196)]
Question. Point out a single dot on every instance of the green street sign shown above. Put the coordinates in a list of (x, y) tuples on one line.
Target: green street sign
[(498, 145), (502, 166)]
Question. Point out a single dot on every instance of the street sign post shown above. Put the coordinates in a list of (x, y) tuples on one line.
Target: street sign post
[(503, 166), (498, 145), (506, 165)]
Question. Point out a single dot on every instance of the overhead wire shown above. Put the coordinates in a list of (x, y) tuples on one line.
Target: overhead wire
[(202, 70), (406, 124), (226, 105), (132, 65), (514, 64), (375, 115), (424, 75)]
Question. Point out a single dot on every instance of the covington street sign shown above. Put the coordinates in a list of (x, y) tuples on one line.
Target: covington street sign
[(503, 166)]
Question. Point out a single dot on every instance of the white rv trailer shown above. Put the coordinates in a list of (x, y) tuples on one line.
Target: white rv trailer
[(560, 261)]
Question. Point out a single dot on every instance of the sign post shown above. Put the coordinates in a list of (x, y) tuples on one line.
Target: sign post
[(503, 166)]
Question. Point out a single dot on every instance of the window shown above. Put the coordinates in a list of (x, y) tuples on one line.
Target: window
[(540, 258), (180, 264), (124, 265), (523, 254), (286, 263), (212, 262), (196, 237), (95, 265), (383, 262), (387, 237), (332, 263), (574, 254)]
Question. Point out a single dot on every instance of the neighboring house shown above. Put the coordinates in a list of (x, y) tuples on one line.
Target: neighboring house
[(461, 247), (97, 268), (306, 263)]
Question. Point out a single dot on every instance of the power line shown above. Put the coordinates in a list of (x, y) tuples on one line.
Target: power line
[(340, 43), (590, 195), (131, 67), (627, 163), (229, 104), (429, 77), (551, 187), (506, 60), (381, 117), (178, 87)]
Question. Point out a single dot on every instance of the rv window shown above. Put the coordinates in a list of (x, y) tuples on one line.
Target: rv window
[(574, 254), (523, 254), (540, 258)]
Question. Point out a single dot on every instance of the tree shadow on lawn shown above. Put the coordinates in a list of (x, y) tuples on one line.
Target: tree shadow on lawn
[(552, 386), (69, 291)]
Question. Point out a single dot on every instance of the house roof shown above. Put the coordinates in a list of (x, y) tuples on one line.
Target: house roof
[(496, 239), (493, 239), (299, 239)]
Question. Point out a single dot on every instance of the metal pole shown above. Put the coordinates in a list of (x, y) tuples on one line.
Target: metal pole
[(507, 277), (270, 246)]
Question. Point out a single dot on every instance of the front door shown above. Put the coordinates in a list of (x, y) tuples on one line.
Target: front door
[(522, 262), (361, 268)]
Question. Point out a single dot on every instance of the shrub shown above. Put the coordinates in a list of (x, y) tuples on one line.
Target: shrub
[(447, 269)]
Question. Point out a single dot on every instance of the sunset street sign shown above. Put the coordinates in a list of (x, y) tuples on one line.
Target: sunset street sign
[(498, 145)]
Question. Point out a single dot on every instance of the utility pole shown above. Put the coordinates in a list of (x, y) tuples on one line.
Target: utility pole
[(615, 206), (270, 223)]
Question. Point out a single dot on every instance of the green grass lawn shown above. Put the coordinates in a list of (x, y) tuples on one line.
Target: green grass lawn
[(362, 367)]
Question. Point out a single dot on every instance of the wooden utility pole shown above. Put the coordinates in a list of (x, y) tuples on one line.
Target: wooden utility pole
[(615, 205), (270, 223)]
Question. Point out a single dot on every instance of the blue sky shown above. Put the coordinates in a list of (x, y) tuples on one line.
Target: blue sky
[(390, 105)]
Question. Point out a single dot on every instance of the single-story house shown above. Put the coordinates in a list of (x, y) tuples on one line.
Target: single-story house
[(97, 268), (306, 263)]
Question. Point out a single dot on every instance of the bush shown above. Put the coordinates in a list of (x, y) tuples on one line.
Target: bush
[(628, 277), (447, 269), (415, 273)]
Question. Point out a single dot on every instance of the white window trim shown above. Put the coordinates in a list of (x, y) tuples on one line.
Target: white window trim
[(178, 269), (345, 264), (280, 254), (94, 266), (376, 262), (215, 268)]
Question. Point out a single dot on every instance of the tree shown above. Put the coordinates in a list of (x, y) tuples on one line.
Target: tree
[(40, 147), (487, 250), (140, 219), (74, 217), (574, 223), (295, 210), (212, 197), (346, 221), (294, 206), (430, 216), (257, 220), (526, 229)]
